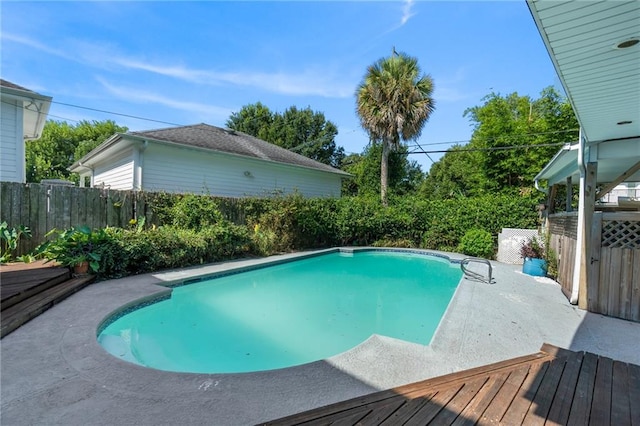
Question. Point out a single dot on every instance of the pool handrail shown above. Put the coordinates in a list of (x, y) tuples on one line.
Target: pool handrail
[(476, 275)]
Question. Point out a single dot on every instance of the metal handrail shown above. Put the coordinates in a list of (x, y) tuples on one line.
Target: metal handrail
[(476, 275)]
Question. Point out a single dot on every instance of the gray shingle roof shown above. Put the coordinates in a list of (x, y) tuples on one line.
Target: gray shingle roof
[(5, 83), (233, 142)]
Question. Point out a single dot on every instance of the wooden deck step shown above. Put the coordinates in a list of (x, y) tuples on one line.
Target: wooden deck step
[(19, 313), (22, 286)]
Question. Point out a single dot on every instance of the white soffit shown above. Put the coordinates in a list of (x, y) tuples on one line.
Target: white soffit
[(613, 158), (601, 81)]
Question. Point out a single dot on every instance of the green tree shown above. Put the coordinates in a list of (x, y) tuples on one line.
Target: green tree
[(508, 147), (454, 175), (61, 144), (303, 131), (405, 177), (502, 123), (394, 102), (253, 119)]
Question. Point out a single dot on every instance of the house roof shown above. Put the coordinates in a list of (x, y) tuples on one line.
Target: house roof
[(35, 107), (601, 80), (5, 83), (214, 138)]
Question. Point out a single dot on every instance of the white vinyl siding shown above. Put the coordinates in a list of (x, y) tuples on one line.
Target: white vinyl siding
[(176, 169), (12, 161), (118, 174)]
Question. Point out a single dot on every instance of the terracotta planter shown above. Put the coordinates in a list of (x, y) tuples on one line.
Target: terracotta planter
[(81, 268)]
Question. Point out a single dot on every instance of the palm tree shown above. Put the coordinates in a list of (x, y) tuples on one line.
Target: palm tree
[(394, 102)]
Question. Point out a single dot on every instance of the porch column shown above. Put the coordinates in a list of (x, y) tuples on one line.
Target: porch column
[(585, 220)]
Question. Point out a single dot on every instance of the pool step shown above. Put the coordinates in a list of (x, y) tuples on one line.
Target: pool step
[(30, 307)]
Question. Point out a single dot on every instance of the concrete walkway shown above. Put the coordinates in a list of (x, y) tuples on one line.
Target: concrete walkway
[(54, 371)]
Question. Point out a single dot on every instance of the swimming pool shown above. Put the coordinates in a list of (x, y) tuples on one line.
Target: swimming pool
[(285, 315)]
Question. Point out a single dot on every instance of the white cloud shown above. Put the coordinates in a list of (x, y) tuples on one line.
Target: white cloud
[(450, 88), (308, 83), (141, 96), (406, 11), (36, 45)]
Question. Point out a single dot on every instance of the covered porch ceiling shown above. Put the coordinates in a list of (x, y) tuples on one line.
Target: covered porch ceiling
[(595, 49)]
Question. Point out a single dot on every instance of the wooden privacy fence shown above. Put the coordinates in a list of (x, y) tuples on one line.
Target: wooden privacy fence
[(563, 239), (43, 207), (613, 277), (614, 265)]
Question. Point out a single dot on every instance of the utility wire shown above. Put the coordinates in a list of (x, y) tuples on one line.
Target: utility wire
[(495, 148), (117, 113), (421, 151)]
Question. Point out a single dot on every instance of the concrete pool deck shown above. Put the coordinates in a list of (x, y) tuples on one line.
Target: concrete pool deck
[(54, 371)]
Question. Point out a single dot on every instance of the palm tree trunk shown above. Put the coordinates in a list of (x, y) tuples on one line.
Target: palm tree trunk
[(384, 173)]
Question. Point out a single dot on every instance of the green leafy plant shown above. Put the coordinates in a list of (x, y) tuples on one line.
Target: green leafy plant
[(73, 246), (9, 239), (533, 248), (477, 243)]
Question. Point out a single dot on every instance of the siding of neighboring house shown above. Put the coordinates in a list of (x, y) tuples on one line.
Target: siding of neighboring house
[(12, 168), (176, 169), (118, 174)]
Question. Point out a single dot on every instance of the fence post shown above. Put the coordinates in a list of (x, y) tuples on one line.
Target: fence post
[(593, 274)]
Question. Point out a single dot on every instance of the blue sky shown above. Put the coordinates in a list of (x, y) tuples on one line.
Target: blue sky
[(192, 62)]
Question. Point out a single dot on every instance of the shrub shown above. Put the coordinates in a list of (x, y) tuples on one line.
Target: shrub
[(74, 245), (533, 248), (195, 212), (399, 243), (477, 243), (9, 239)]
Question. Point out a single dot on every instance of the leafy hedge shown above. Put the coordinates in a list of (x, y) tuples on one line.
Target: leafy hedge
[(130, 252), (195, 230)]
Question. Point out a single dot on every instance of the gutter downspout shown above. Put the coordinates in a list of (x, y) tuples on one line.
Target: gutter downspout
[(137, 165), (575, 286)]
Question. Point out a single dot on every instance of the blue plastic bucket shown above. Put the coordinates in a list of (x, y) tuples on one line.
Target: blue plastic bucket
[(535, 267)]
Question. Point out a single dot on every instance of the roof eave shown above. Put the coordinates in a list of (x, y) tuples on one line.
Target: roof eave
[(560, 166)]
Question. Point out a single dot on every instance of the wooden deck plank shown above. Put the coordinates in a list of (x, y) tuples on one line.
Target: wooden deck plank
[(476, 407), (460, 401), (407, 410), (503, 399), (351, 417), (381, 413), (413, 390), (431, 409), (24, 311), (583, 395), (601, 403), (561, 388), (620, 403), (634, 393), (522, 401), (541, 404), (561, 406)]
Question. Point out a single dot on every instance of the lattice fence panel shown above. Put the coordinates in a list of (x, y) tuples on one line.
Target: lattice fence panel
[(621, 234), (509, 242)]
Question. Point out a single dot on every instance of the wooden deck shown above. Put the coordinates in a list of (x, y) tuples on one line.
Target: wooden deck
[(27, 290), (554, 386)]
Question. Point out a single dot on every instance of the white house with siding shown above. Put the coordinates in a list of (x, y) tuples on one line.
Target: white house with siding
[(204, 159), (22, 117)]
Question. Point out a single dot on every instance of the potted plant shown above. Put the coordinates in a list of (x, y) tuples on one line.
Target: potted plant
[(75, 248), (534, 254)]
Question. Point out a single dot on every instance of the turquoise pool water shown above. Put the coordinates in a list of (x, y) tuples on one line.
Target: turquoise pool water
[(285, 315)]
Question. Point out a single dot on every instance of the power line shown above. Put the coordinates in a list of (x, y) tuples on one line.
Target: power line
[(495, 148), (519, 136), (117, 113), (421, 151)]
